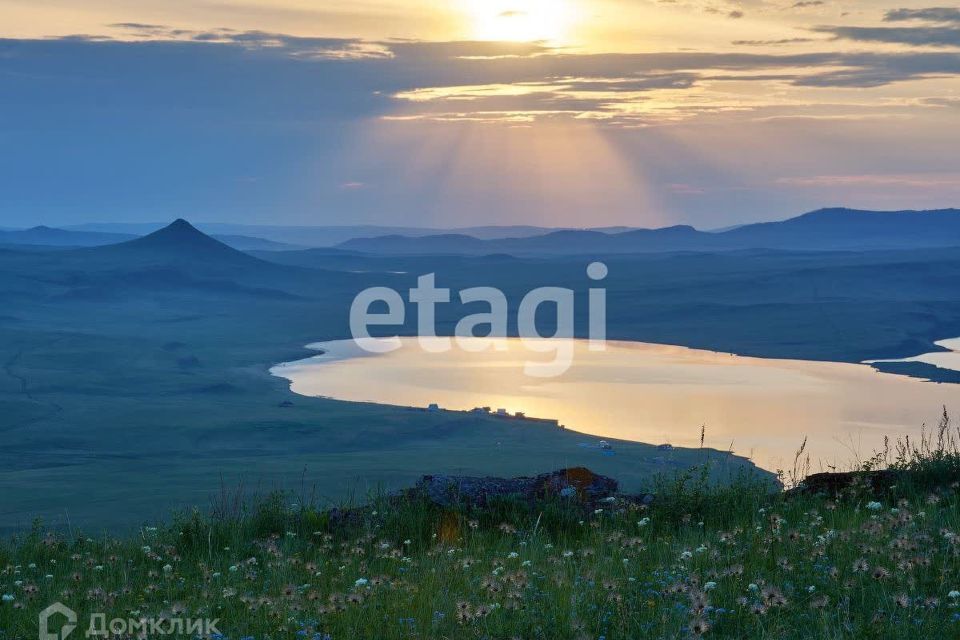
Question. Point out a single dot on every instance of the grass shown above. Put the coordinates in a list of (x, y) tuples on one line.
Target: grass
[(730, 561)]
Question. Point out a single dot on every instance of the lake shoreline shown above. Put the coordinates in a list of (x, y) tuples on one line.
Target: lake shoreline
[(706, 376)]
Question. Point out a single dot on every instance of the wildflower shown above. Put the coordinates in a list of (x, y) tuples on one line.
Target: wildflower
[(880, 573), (820, 602), (860, 566), (953, 595), (902, 600), (361, 582), (7, 598), (513, 554), (773, 597), (167, 568), (699, 626), (874, 506), (686, 555), (710, 586)]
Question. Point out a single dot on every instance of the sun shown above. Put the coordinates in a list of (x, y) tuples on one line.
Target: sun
[(521, 20)]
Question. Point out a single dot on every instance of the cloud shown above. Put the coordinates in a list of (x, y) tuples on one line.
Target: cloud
[(953, 102), (912, 181), (132, 125), (937, 36), (933, 14), (772, 43), (286, 80)]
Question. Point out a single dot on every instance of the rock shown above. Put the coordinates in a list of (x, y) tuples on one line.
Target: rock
[(578, 484), (874, 483)]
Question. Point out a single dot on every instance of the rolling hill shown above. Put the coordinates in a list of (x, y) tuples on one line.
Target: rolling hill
[(51, 237), (823, 230)]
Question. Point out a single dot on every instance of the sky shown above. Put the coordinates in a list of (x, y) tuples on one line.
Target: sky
[(450, 113)]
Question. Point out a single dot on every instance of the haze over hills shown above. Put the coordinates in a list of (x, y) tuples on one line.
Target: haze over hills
[(823, 230), (48, 236), (326, 235)]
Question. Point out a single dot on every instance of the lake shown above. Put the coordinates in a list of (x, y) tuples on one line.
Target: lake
[(949, 359), (659, 394)]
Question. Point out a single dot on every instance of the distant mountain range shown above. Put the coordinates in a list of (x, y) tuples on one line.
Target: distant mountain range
[(823, 230), (51, 237), (326, 236)]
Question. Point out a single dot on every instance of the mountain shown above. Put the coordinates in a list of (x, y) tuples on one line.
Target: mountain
[(180, 240), (51, 237), (823, 230), (842, 229), (176, 262)]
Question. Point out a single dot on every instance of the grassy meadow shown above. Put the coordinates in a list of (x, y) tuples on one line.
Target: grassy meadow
[(729, 561)]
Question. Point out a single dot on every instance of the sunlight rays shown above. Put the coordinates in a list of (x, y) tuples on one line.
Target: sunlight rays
[(557, 173)]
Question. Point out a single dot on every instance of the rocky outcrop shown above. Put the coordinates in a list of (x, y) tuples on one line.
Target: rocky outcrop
[(834, 485), (578, 484), (582, 488)]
